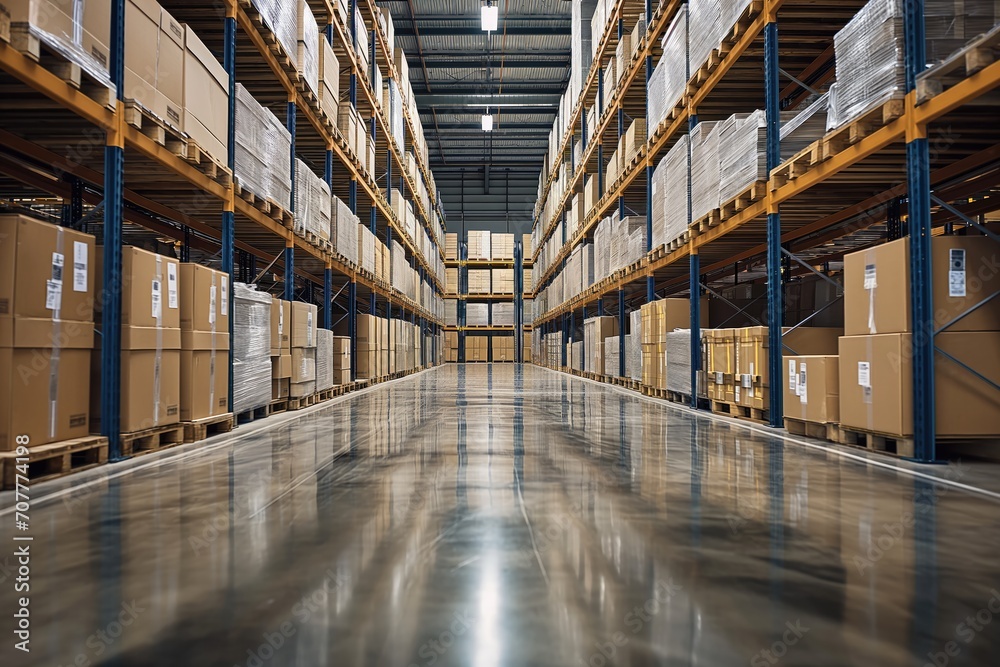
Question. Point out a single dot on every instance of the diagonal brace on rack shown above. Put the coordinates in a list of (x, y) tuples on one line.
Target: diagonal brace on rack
[(966, 312), (267, 268), (726, 321), (954, 211), (821, 275), (798, 82), (979, 375), (732, 305)]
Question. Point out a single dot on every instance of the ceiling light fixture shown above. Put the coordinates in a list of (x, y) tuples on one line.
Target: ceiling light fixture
[(487, 121), (490, 16)]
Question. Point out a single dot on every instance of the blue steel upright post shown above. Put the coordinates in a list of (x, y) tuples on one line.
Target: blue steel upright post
[(650, 281), (229, 215), (919, 186), (289, 244), (114, 177), (775, 296)]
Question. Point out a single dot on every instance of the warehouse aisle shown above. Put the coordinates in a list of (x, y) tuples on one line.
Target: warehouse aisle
[(492, 515)]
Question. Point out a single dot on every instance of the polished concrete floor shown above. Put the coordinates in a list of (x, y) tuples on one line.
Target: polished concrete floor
[(486, 516)]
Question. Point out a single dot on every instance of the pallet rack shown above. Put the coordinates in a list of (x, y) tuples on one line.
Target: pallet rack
[(836, 190), (107, 157), (463, 264)]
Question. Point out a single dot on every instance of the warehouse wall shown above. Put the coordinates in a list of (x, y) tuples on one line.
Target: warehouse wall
[(508, 198)]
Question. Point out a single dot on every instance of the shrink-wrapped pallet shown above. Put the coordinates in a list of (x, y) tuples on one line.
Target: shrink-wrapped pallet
[(344, 231), (612, 357), (281, 17), (671, 194), (263, 150), (633, 346), (312, 203), (477, 314), (803, 127), (366, 248), (678, 361), (704, 169), (324, 359), (709, 22), (503, 314), (666, 86), (742, 153), (308, 46), (451, 312), (251, 348)]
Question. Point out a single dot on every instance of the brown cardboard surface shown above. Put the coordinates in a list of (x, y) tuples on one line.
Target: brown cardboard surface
[(281, 367), (206, 97), (26, 404), (204, 388), (888, 303), (204, 340), (281, 326), (139, 409), (150, 286), (301, 389), (304, 323), (279, 388), (204, 296), (42, 266), (875, 384), (142, 33), (170, 70), (97, 30), (812, 388)]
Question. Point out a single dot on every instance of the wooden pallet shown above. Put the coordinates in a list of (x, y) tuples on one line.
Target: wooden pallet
[(756, 415), (22, 39), (266, 206), (152, 439), (276, 406), (817, 430), (270, 40), (749, 196), (177, 142), (302, 402), (677, 397), (200, 429), (836, 141), (875, 442), (970, 59), (53, 460)]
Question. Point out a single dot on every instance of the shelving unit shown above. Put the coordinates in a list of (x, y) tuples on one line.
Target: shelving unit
[(845, 192), (114, 164)]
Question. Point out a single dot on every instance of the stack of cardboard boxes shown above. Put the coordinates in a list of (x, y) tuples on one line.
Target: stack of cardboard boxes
[(368, 332), (657, 319), (502, 247), (451, 247), (324, 359), (876, 359), (477, 348), (595, 330), (503, 281), (303, 341), (46, 331), (281, 349), (479, 281), (503, 348), (341, 360), (204, 358), (329, 79), (526, 349), (451, 347)]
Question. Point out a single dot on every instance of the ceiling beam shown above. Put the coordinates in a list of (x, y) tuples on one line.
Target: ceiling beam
[(480, 62)]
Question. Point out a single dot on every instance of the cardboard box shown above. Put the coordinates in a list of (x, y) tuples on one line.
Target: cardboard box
[(877, 286), (303, 364), (304, 321), (150, 289), (876, 387), (281, 327), (302, 389), (204, 296), (280, 388), (154, 60), (149, 398), (48, 403), (204, 383), (281, 367), (206, 97), (812, 388), (341, 376), (367, 329), (341, 353)]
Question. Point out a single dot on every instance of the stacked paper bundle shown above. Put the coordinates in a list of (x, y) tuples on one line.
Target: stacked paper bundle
[(742, 153), (704, 169), (263, 149), (312, 203), (344, 231), (678, 361)]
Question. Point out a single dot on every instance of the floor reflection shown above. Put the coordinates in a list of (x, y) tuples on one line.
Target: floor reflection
[(491, 515)]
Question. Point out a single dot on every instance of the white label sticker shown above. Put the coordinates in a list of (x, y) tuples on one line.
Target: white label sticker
[(53, 295), (156, 292), (224, 306), (58, 261), (737, 393), (752, 369), (719, 377), (956, 273), (309, 329), (171, 285), (211, 305), (792, 379), (747, 380), (870, 280), (803, 386), (281, 319), (864, 374), (80, 262)]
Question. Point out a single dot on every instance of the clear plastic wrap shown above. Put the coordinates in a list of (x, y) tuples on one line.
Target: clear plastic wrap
[(451, 312), (529, 311), (308, 46), (633, 346), (312, 203), (65, 37), (612, 356), (704, 169), (251, 348), (742, 153), (710, 21), (503, 314), (281, 16), (678, 361), (324, 359), (366, 248), (477, 314), (671, 193), (263, 151), (344, 230), (804, 127), (669, 79)]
